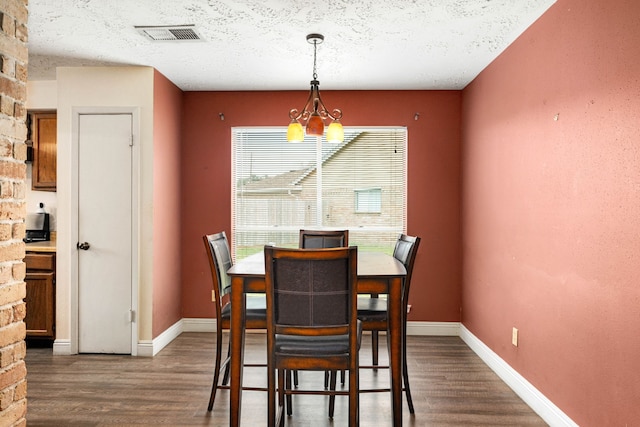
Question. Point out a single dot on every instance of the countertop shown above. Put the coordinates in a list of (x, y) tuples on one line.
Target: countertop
[(48, 246)]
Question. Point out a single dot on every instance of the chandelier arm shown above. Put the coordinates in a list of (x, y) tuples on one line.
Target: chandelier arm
[(303, 114), (324, 111)]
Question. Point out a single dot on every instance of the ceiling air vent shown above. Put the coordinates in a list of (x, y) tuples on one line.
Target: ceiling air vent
[(167, 33)]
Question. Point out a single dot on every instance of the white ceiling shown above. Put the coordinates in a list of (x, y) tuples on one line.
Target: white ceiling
[(261, 44)]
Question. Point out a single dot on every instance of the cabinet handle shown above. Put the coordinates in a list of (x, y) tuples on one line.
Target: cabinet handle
[(84, 246)]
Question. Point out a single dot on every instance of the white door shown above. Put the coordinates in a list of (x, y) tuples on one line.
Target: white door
[(104, 233)]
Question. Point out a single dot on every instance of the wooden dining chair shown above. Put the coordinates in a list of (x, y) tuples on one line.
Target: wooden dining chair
[(373, 313), (312, 321), (322, 239), (219, 255), (316, 239)]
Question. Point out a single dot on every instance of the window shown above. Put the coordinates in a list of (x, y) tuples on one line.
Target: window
[(369, 201), (281, 187)]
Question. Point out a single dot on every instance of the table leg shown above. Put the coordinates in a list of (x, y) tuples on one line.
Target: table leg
[(394, 335), (237, 347)]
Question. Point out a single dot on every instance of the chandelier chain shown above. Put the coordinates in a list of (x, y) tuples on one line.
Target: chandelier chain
[(315, 72)]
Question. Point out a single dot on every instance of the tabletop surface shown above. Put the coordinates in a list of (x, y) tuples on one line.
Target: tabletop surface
[(369, 264)]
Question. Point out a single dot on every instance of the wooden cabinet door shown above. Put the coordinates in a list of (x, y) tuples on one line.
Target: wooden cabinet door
[(40, 304), (44, 135)]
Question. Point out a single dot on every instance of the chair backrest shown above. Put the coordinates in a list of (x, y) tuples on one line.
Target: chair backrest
[(405, 251), (318, 239), (219, 255), (311, 291)]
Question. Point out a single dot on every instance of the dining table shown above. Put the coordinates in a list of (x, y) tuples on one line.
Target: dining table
[(378, 273)]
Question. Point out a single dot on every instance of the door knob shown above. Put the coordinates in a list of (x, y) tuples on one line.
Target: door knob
[(84, 246)]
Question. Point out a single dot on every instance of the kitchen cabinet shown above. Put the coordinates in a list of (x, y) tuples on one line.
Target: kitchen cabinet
[(40, 298), (43, 128)]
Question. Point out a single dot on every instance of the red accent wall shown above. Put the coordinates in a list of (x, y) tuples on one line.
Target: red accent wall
[(551, 208), (433, 180), (167, 103)]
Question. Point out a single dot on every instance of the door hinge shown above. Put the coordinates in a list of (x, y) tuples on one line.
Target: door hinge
[(132, 316), (131, 141)]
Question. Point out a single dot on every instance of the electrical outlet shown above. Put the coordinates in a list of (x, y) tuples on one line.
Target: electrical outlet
[(514, 337)]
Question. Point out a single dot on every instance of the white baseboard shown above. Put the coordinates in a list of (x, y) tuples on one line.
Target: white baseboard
[(199, 325), (209, 325), (549, 412), (151, 348), (144, 348), (413, 328), (450, 329), (62, 347)]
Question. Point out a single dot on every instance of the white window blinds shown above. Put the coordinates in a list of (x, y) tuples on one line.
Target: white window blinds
[(279, 187)]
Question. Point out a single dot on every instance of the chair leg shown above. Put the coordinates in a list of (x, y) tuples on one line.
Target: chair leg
[(288, 387), (271, 396), (295, 378), (326, 379), (332, 397), (374, 348), (281, 399), (354, 398), (216, 370), (225, 377), (405, 371)]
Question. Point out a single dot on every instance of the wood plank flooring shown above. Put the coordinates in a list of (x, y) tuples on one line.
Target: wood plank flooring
[(451, 386)]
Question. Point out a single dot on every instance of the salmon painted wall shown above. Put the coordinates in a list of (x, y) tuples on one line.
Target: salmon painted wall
[(433, 181), (551, 208), (167, 103)]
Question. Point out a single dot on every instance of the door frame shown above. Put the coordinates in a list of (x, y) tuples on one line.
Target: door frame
[(76, 112)]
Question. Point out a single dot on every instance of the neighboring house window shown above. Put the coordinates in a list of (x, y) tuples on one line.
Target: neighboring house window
[(369, 200), (279, 187)]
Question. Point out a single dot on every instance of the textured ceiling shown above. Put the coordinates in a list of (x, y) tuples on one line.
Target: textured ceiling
[(261, 44)]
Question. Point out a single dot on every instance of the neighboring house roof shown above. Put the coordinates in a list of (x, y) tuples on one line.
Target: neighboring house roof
[(285, 182), (328, 156), (290, 181)]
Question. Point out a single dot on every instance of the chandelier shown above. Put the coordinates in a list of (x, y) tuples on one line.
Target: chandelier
[(314, 113)]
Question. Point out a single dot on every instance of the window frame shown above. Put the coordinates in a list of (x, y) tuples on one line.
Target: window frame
[(377, 202), (390, 144)]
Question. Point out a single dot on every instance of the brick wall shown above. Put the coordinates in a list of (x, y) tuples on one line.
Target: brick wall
[(13, 132)]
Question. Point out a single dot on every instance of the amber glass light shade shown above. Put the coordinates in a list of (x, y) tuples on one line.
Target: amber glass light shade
[(315, 125), (335, 132), (295, 132)]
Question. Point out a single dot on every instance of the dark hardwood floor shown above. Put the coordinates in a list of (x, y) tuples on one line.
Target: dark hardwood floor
[(451, 386)]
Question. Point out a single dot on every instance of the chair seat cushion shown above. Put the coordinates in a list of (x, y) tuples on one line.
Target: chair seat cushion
[(256, 308), (372, 308), (315, 345)]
